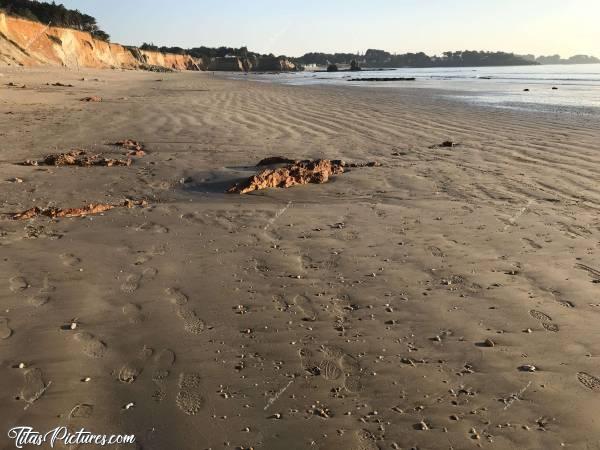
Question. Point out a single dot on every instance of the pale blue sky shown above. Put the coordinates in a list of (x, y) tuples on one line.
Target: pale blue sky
[(294, 27)]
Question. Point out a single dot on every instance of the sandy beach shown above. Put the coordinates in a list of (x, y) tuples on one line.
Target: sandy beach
[(447, 299)]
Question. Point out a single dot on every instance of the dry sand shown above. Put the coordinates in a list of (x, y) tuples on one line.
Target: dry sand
[(389, 308)]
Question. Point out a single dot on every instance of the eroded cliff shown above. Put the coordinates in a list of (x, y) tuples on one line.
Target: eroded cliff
[(27, 43)]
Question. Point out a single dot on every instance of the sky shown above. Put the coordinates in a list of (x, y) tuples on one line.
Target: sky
[(540, 27)]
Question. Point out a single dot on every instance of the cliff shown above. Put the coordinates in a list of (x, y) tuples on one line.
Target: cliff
[(257, 64), (27, 43), (274, 64)]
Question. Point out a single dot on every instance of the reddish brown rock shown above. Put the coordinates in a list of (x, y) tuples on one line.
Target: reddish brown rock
[(92, 208), (78, 158), (301, 172), (93, 98), (135, 148)]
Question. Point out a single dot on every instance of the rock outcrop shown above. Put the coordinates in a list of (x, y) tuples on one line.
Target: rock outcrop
[(229, 64), (27, 43), (79, 158), (301, 172), (255, 64), (273, 64), (87, 210)]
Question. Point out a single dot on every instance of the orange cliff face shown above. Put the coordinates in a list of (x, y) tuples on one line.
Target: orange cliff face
[(27, 43)]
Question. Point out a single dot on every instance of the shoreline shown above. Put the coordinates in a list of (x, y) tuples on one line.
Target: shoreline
[(567, 91)]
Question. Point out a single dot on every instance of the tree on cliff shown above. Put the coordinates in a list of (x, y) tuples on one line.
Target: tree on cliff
[(55, 15)]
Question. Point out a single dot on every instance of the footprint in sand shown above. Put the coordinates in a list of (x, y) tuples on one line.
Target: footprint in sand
[(82, 411), (365, 440), (5, 331), (150, 273), (90, 345), (39, 299), (330, 370), (333, 365), (306, 308), (142, 259), (189, 398), (176, 297), (33, 386), (551, 327), (43, 295), (191, 322), (69, 259), (163, 362), (131, 283), (17, 284), (349, 366), (540, 316), (129, 372), (153, 228), (545, 320), (436, 251), (589, 381), (133, 313)]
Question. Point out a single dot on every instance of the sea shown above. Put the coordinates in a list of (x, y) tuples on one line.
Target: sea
[(576, 87)]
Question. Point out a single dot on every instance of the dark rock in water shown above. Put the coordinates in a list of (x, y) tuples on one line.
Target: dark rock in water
[(332, 68), (554, 88), (354, 67), (526, 90), (382, 79)]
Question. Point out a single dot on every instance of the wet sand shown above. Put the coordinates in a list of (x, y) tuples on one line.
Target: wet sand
[(399, 306)]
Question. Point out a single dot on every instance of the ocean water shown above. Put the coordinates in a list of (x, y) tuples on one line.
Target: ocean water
[(578, 85)]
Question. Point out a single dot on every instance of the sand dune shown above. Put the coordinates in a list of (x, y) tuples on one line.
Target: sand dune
[(393, 307)]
